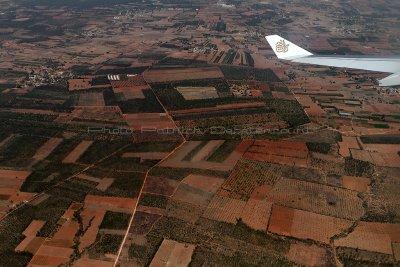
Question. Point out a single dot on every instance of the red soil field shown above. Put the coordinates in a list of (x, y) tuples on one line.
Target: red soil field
[(305, 225), (382, 234), (117, 204), (360, 184)]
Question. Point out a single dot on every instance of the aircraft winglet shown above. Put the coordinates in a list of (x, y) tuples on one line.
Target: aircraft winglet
[(285, 49)]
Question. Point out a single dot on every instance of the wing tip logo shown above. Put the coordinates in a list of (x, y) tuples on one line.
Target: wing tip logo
[(282, 47)]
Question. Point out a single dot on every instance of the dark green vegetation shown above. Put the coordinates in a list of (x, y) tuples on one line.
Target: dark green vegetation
[(105, 243), (381, 125), (19, 153), (173, 100), (126, 184), (51, 98), (33, 124), (115, 220), (359, 258), (256, 247), (356, 167), (380, 139), (136, 251), (11, 228), (101, 149), (46, 174), (150, 104), (290, 111), (157, 201), (323, 148)]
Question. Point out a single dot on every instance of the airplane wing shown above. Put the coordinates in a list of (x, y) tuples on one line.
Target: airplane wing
[(288, 51)]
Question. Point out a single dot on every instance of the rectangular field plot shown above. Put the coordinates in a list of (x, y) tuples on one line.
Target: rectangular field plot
[(305, 225), (91, 99), (371, 236), (194, 93), (332, 201)]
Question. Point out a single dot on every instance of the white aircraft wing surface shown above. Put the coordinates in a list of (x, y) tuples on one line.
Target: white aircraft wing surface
[(288, 51)]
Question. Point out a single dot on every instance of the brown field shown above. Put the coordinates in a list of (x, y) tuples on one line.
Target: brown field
[(112, 114), (117, 204), (224, 209), (131, 88), (184, 210), (143, 222), (91, 219), (260, 192), (102, 183), (30, 242), (246, 177), (347, 143), (77, 152), (35, 244), (381, 148), (305, 225), (312, 109), (205, 183), (48, 147), (256, 214), (194, 93), (360, 184), (218, 108), (160, 186), (86, 262), (47, 260), (51, 256), (33, 228), (79, 84), (12, 174), (149, 122), (317, 198), (307, 255), (93, 99), (173, 253), (146, 155), (67, 232), (377, 158), (10, 183), (191, 195), (281, 152), (181, 74), (382, 234)]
